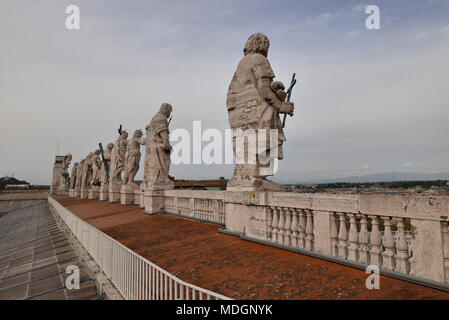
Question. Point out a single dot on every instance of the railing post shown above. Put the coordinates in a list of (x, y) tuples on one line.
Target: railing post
[(388, 243), (375, 241), (363, 240)]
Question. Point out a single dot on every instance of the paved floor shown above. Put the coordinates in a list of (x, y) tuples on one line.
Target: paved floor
[(34, 254), (197, 253)]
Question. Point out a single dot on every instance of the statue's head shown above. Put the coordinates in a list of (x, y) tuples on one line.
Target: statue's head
[(110, 146), (97, 152), (75, 164), (124, 134), (257, 43), (138, 133), (166, 109)]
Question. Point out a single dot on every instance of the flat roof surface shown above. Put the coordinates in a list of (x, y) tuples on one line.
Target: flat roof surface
[(198, 254), (34, 254)]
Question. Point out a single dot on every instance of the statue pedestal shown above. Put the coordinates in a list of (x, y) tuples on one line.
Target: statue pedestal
[(77, 193), (72, 193), (114, 190), (127, 193), (142, 199), (153, 200), (84, 193), (104, 192), (94, 193)]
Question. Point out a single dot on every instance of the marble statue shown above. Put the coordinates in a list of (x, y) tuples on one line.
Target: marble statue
[(107, 158), (65, 178), (86, 171), (73, 175), (95, 163), (79, 174), (118, 156), (158, 149), (255, 102), (132, 157)]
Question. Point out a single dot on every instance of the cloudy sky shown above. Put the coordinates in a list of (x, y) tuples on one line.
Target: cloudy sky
[(366, 100)]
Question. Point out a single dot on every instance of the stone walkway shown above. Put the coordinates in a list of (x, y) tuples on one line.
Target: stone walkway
[(197, 253), (34, 254)]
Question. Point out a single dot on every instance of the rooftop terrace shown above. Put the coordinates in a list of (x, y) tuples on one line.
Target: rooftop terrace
[(198, 253)]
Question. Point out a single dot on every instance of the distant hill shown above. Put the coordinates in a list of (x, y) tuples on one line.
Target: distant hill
[(10, 180), (388, 177)]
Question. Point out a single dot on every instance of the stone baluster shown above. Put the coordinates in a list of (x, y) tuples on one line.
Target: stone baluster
[(287, 228), (388, 243), (353, 239), (294, 227), (334, 234), (309, 231), (363, 240), (445, 239), (301, 229), (275, 225), (270, 223), (281, 226), (342, 237), (402, 256), (375, 241)]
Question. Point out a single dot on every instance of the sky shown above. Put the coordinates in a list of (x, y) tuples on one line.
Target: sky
[(366, 101)]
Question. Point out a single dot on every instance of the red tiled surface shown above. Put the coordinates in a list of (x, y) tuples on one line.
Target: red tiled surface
[(197, 253)]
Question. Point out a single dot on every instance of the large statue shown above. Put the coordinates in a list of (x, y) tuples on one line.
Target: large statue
[(79, 174), (132, 157), (73, 175), (255, 102), (158, 149), (65, 178), (118, 156), (107, 158), (86, 171), (95, 163)]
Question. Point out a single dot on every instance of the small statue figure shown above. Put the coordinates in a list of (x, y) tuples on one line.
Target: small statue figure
[(118, 156), (254, 103), (107, 157), (95, 163), (79, 174), (73, 175), (65, 178), (132, 157), (86, 172), (158, 149)]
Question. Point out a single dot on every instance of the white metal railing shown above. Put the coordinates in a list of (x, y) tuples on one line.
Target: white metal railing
[(134, 276)]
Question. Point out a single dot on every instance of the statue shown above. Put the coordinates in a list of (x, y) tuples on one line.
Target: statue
[(65, 178), (132, 157), (73, 175), (95, 163), (86, 171), (158, 149), (79, 174), (254, 104), (118, 156), (107, 158)]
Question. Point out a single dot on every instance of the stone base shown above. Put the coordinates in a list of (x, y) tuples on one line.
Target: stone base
[(72, 193), (127, 193), (77, 193), (248, 220), (84, 193), (114, 191), (142, 199), (138, 197), (94, 193), (154, 201), (104, 192), (247, 177)]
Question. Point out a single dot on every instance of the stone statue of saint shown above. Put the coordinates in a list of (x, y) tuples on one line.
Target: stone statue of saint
[(107, 157), (118, 156), (73, 175), (65, 178), (86, 172), (132, 157), (158, 149), (79, 174), (254, 104), (95, 162)]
